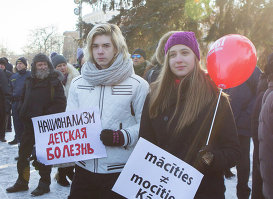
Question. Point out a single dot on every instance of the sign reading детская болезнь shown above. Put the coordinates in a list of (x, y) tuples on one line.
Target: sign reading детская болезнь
[(153, 173), (68, 137)]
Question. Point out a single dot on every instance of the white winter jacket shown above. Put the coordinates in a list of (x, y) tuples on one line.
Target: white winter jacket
[(120, 108)]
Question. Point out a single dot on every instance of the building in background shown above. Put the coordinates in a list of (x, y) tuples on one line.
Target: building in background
[(70, 46)]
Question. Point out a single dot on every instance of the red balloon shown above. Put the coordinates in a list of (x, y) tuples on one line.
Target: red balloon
[(231, 60)]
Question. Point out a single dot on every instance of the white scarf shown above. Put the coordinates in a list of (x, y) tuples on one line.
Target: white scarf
[(119, 71)]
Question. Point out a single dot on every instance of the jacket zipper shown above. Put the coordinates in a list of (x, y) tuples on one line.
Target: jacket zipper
[(101, 108)]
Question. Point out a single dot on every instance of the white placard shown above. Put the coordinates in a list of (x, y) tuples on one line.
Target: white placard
[(68, 137), (151, 173)]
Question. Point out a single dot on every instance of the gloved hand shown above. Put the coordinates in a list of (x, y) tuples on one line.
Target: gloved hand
[(206, 156), (112, 138)]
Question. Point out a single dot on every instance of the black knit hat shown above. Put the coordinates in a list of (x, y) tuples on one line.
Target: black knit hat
[(58, 59), (23, 60), (140, 52), (3, 61)]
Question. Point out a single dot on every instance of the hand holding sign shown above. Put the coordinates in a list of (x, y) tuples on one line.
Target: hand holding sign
[(231, 60)]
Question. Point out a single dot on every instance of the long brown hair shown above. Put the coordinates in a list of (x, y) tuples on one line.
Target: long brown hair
[(200, 93)]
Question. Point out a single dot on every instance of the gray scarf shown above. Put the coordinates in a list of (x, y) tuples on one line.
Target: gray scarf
[(119, 71)]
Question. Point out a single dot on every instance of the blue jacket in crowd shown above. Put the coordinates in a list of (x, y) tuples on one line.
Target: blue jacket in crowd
[(17, 81), (242, 99)]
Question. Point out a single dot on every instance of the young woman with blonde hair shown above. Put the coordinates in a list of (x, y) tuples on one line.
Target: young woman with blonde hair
[(178, 112)]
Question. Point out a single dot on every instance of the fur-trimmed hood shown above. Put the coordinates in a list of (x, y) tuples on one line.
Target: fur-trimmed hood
[(40, 58), (72, 73)]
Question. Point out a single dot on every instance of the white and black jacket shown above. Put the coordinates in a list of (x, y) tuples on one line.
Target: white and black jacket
[(120, 107)]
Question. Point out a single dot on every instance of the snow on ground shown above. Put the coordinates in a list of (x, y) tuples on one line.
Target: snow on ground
[(8, 176)]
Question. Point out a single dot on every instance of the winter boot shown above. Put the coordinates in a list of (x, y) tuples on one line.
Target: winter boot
[(41, 189), (60, 177), (12, 142), (70, 172), (18, 186), (228, 174)]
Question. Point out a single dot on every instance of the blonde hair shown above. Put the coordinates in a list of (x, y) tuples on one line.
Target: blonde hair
[(117, 39), (200, 92), (160, 52)]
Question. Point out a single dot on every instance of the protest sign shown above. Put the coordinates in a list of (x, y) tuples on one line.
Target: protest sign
[(153, 173), (68, 137)]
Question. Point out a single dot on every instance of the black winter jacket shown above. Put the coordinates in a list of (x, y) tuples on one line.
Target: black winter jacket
[(224, 142), (42, 97), (5, 99), (265, 135), (242, 100)]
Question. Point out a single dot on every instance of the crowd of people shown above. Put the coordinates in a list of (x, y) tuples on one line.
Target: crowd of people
[(169, 101)]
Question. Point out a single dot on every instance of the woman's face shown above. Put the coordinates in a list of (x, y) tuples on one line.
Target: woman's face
[(63, 68), (181, 60)]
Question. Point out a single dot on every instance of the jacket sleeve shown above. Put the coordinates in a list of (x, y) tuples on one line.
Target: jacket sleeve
[(146, 130), (131, 134), (58, 103), (224, 140)]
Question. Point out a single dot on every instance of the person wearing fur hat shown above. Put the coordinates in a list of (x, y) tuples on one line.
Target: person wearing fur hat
[(139, 61), (109, 83), (178, 113), (17, 83), (69, 72), (43, 94)]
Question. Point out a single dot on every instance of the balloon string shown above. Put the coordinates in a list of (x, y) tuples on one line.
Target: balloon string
[(214, 115)]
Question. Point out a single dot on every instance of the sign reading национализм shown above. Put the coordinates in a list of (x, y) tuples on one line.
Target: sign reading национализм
[(152, 173), (68, 137)]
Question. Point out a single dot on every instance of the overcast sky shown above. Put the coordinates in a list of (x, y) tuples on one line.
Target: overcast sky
[(18, 17)]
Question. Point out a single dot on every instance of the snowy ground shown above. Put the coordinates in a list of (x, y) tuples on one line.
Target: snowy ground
[(8, 176)]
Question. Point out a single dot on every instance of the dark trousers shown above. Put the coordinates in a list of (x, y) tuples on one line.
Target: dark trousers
[(9, 122), (25, 150), (66, 171), (243, 168), (88, 185), (3, 126), (18, 124), (257, 182)]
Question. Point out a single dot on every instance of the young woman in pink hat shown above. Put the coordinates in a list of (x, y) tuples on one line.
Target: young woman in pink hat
[(178, 113)]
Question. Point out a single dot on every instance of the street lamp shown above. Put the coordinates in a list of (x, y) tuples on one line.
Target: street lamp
[(78, 11)]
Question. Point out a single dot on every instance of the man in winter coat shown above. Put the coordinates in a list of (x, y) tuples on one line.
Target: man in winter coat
[(242, 99), (9, 68), (109, 83), (17, 84), (43, 94), (3, 66), (5, 94)]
